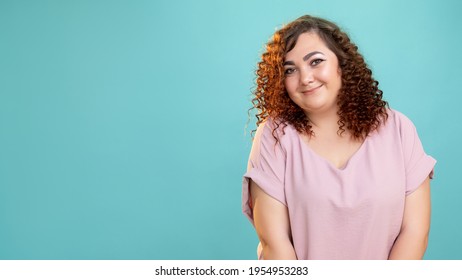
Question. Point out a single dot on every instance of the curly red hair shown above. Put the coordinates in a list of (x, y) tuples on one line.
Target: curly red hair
[(361, 108)]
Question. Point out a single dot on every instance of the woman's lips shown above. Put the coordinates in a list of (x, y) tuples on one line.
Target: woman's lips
[(311, 90)]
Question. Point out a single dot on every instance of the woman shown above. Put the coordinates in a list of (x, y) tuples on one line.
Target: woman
[(333, 172)]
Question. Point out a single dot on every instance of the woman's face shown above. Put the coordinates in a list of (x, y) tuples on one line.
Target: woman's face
[(312, 75)]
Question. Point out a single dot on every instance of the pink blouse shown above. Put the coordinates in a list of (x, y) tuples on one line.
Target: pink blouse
[(349, 213)]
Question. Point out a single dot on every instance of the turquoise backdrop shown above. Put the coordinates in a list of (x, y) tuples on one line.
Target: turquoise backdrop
[(122, 123)]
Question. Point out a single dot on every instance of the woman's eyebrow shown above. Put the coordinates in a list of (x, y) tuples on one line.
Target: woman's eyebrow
[(305, 58)]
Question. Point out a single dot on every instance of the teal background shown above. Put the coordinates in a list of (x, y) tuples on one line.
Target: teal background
[(123, 123)]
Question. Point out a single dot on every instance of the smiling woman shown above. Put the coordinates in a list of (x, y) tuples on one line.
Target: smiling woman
[(312, 80), (333, 172)]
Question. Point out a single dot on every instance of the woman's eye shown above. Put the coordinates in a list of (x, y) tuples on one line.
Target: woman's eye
[(289, 71), (316, 61)]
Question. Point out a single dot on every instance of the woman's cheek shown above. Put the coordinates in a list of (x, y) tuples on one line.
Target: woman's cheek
[(290, 84)]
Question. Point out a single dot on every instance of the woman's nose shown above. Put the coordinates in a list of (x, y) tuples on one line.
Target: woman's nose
[(306, 76)]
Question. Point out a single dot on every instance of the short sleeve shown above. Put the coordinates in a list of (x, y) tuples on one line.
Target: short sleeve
[(266, 167), (418, 164)]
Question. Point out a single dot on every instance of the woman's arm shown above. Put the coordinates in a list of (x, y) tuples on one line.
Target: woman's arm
[(271, 220), (413, 237)]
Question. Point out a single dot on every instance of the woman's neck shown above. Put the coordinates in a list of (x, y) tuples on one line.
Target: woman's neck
[(325, 123)]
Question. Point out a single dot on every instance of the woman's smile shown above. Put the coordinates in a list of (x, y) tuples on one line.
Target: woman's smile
[(311, 90)]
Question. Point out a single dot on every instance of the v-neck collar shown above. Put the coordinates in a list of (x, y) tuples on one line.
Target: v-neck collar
[(328, 162)]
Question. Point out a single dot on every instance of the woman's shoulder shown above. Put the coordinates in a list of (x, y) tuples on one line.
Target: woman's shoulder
[(397, 125), (274, 131), (398, 119), (280, 128)]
